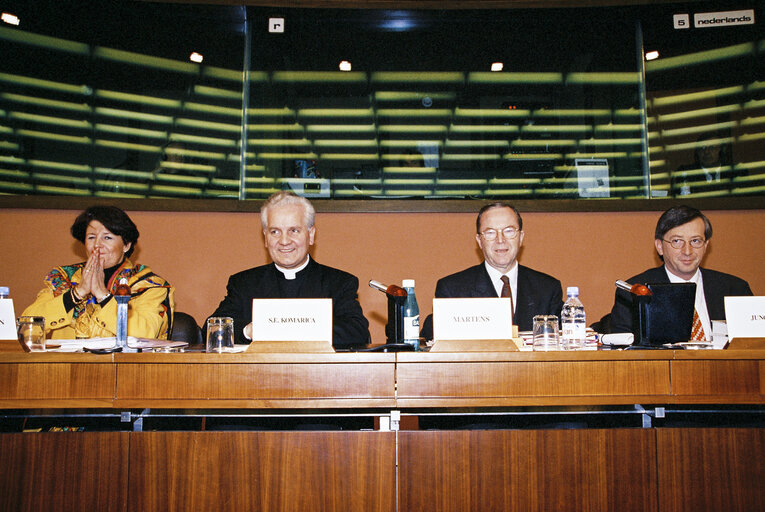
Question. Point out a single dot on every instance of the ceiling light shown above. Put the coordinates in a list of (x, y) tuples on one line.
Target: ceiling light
[(497, 66), (196, 57), (345, 65), (10, 18), (652, 55)]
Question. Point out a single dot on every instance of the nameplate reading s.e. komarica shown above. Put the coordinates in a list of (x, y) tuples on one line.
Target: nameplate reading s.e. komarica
[(472, 319), (292, 320), (745, 317)]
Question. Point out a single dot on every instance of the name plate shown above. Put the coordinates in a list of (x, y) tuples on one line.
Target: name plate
[(292, 320), (745, 317), (472, 319), (7, 320)]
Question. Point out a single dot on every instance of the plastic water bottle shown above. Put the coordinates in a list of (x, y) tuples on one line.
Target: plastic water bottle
[(411, 315), (122, 296), (573, 321), (5, 292)]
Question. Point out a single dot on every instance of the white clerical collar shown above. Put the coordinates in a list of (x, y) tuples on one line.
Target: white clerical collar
[(677, 279), (290, 273)]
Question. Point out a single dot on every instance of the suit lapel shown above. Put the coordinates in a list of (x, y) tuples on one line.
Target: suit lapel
[(524, 302), (312, 281), (269, 285), (483, 285), (713, 295)]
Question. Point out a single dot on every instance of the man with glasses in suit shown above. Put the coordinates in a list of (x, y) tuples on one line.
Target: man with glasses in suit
[(499, 234), (681, 239)]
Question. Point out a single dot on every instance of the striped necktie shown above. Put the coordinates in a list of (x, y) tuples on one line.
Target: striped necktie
[(697, 331)]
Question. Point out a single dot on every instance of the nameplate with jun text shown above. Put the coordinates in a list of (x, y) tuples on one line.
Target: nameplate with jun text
[(745, 317), (472, 319), (292, 320)]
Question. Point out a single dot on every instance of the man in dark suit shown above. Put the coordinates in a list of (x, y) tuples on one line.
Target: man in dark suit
[(288, 229), (499, 233), (681, 239)]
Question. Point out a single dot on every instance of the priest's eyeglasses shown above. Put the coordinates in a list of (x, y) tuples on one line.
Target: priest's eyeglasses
[(491, 234), (679, 243)]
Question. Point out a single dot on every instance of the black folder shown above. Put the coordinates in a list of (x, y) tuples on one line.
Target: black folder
[(665, 316)]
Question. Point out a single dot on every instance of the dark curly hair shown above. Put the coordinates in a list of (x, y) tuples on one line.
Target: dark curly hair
[(113, 219)]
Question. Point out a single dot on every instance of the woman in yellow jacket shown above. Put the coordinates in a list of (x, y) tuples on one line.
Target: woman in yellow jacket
[(77, 300)]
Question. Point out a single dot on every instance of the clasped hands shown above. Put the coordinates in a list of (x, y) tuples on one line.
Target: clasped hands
[(92, 278)]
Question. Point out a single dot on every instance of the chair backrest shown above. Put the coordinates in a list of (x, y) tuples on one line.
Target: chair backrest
[(185, 328)]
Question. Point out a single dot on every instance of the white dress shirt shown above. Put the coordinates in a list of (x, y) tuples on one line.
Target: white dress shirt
[(496, 279)]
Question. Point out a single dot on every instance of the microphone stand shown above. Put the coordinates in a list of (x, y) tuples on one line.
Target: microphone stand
[(394, 329)]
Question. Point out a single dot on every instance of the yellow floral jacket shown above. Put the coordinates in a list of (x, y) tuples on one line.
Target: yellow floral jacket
[(150, 310)]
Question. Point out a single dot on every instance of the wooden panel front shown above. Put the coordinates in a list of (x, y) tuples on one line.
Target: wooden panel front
[(483, 382), (269, 383), (49, 384), (719, 378), (711, 469), (273, 471), (527, 470), (63, 471)]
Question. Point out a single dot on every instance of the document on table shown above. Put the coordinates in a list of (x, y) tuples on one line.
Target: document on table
[(103, 343)]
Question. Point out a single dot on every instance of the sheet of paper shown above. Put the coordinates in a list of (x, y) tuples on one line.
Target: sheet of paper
[(7, 320), (109, 342)]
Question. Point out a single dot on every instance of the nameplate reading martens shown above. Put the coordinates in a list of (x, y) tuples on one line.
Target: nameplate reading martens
[(472, 319)]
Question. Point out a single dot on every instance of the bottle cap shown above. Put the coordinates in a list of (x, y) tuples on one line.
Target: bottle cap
[(407, 283), (5, 291), (572, 291)]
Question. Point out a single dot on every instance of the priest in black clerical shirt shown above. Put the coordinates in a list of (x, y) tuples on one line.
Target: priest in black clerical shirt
[(288, 228)]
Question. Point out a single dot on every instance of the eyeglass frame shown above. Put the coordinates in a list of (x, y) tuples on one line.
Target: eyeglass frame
[(496, 232), (701, 242)]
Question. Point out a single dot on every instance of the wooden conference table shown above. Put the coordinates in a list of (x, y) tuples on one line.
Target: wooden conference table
[(406, 469)]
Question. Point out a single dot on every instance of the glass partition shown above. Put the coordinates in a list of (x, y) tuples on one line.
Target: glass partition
[(706, 103), (103, 99)]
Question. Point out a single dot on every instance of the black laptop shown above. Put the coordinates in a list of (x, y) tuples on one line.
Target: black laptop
[(666, 316)]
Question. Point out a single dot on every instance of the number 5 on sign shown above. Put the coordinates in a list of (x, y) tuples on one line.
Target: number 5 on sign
[(681, 21)]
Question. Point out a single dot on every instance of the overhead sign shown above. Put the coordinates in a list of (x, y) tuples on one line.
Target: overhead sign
[(723, 19)]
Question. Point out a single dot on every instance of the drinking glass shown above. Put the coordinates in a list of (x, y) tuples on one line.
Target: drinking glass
[(31, 332), (220, 334), (546, 332)]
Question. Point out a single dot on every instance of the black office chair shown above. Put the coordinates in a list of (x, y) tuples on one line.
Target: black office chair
[(185, 328)]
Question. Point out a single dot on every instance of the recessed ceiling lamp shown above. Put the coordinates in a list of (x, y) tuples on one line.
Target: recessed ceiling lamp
[(497, 66), (9, 18), (196, 57), (345, 65), (652, 55)]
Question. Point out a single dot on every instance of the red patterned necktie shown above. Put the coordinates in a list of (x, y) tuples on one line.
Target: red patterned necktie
[(506, 291), (697, 332)]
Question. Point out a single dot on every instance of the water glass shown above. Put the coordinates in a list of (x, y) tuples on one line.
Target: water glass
[(545, 332), (220, 334), (31, 332)]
